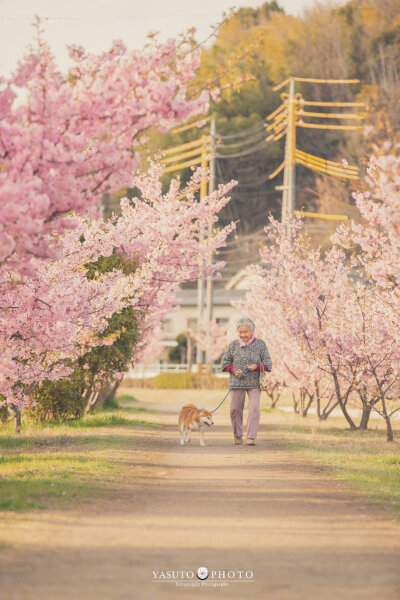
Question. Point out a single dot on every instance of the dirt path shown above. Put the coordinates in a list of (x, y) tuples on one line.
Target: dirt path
[(228, 508)]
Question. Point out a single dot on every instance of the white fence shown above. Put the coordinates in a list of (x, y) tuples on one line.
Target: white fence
[(143, 371)]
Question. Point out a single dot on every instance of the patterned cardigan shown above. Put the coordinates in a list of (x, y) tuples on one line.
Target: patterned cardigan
[(238, 357)]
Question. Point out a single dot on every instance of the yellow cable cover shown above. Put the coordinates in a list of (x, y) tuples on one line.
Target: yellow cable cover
[(277, 171), (321, 216), (317, 126), (308, 80), (183, 165), (331, 115), (276, 121), (194, 152), (277, 111), (318, 159), (186, 146), (312, 103), (327, 169), (191, 125)]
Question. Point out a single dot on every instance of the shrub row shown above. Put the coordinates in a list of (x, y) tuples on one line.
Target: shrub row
[(176, 381)]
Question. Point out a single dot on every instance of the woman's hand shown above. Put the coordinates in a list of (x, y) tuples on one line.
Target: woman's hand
[(252, 367), (238, 372)]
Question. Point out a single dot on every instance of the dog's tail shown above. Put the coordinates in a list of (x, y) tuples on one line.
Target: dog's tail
[(189, 406)]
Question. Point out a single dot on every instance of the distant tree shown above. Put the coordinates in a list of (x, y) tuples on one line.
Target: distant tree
[(177, 353)]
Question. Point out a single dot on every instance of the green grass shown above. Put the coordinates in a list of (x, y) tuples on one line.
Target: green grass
[(97, 420), (362, 459), (375, 475), (40, 441), (55, 464), (40, 480), (137, 409), (101, 420), (126, 398)]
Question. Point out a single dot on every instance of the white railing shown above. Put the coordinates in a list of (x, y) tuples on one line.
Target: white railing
[(151, 370)]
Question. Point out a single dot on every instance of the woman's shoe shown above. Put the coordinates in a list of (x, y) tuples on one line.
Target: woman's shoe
[(251, 442), (238, 440)]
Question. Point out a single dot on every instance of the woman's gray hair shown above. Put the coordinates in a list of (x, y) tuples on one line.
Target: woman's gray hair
[(247, 323)]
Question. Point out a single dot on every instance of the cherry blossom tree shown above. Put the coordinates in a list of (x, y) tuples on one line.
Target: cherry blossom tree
[(280, 302), (70, 140), (311, 293), (375, 253), (332, 320), (58, 315)]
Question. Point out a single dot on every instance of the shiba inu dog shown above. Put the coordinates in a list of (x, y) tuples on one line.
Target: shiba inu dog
[(193, 419)]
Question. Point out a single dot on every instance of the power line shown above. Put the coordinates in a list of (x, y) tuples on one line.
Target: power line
[(109, 17), (242, 133), (255, 184), (258, 137), (256, 148)]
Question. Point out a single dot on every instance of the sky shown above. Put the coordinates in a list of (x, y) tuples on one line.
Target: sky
[(96, 23)]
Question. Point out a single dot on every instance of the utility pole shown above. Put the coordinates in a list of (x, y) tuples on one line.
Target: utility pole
[(200, 281), (197, 152), (289, 177), (211, 188)]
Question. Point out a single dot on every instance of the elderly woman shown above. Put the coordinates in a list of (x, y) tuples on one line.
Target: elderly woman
[(251, 352)]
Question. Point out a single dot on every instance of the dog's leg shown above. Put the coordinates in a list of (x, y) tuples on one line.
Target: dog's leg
[(183, 434), (202, 442), (187, 436)]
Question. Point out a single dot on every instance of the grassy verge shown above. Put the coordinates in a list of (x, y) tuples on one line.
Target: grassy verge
[(362, 459), (55, 464)]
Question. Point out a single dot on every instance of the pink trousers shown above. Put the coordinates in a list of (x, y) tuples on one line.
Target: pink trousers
[(236, 412)]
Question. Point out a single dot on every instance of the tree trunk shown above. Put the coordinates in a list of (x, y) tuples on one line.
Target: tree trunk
[(366, 413), (318, 408), (389, 429), (189, 353), (17, 418), (273, 394), (301, 408), (342, 404), (295, 403), (311, 398), (115, 387), (4, 413), (325, 412), (386, 416), (92, 399), (274, 400)]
